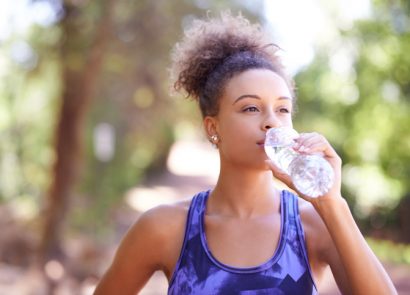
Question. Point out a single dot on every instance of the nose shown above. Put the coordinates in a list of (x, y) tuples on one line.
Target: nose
[(270, 121)]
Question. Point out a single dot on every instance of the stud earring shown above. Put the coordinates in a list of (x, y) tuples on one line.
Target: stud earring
[(214, 138)]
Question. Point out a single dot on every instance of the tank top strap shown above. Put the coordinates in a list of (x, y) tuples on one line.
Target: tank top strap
[(192, 229), (194, 215), (296, 236), (290, 204)]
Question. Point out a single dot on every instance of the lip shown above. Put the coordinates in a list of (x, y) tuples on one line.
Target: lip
[(261, 142)]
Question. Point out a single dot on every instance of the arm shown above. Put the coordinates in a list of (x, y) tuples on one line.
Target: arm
[(143, 250), (355, 267), (361, 271)]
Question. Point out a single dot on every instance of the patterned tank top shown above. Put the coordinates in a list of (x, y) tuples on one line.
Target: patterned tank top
[(287, 272)]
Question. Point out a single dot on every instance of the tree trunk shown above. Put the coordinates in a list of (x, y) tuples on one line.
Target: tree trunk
[(79, 85)]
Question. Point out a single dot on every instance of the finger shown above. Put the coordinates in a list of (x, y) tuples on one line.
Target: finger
[(323, 149), (304, 139), (315, 143), (307, 139), (313, 148)]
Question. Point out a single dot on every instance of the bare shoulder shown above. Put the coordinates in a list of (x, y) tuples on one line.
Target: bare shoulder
[(317, 236), (164, 220), (165, 216), (152, 243), (163, 229), (155, 239), (161, 225)]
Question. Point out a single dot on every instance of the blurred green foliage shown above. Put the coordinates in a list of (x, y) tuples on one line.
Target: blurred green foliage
[(357, 92), (388, 251), (28, 92)]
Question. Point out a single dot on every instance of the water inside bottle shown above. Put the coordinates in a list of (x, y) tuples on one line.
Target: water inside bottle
[(281, 156), (312, 175)]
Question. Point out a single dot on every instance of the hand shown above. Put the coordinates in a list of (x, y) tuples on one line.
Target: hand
[(313, 143)]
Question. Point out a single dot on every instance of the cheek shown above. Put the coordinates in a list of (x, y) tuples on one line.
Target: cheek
[(234, 127), (235, 136)]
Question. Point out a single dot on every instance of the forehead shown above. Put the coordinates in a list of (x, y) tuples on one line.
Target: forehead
[(261, 82)]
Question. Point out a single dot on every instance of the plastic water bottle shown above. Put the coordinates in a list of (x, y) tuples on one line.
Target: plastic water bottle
[(311, 174)]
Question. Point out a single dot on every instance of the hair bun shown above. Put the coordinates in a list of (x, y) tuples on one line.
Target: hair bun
[(208, 43)]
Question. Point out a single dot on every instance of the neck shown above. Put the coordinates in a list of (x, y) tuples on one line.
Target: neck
[(243, 193)]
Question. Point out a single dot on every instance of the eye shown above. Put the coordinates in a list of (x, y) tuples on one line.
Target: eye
[(284, 110), (251, 109)]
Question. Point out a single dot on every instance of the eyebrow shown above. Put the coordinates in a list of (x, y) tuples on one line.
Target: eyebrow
[(256, 97)]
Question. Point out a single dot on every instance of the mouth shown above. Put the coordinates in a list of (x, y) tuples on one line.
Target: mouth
[(261, 142)]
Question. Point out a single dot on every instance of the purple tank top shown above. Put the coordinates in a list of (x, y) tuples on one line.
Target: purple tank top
[(287, 272)]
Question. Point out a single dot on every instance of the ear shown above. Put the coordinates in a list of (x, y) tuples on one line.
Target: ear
[(211, 126)]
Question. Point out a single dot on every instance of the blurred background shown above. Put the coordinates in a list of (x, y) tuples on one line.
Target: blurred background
[(90, 137)]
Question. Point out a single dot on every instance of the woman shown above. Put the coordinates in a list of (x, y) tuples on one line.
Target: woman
[(245, 236)]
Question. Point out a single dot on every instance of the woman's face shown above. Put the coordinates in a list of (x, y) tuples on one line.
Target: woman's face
[(252, 102)]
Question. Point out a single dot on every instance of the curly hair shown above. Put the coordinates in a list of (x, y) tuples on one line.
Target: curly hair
[(214, 50)]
